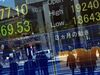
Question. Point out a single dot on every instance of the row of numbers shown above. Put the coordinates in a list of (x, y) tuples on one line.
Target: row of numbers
[(23, 9), (10, 29), (95, 4), (81, 19)]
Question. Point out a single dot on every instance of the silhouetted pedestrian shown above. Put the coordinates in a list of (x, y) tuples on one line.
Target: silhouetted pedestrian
[(6, 51), (29, 67), (71, 62), (81, 60), (1, 68), (92, 62), (44, 64), (38, 63), (13, 67)]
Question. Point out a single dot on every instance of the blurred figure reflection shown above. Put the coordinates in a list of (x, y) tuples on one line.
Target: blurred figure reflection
[(29, 66), (1, 68), (91, 61), (71, 62), (38, 63), (81, 60), (13, 67), (44, 64)]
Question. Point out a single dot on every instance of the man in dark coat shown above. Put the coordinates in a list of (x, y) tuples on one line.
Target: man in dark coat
[(29, 67), (44, 64), (13, 67), (1, 68)]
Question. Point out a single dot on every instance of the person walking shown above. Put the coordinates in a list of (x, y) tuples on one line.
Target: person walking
[(92, 62), (82, 61), (71, 62), (29, 67), (13, 67), (44, 64), (1, 68)]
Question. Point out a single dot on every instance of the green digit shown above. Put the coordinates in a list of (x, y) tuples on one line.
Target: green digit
[(2, 14), (19, 27), (27, 27), (24, 9), (10, 29), (8, 13), (18, 11), (3, 30)]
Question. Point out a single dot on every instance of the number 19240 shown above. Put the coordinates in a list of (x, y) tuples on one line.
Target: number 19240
[(85, 6)]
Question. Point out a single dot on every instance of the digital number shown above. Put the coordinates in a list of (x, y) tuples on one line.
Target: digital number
[(74, 20), (72, 8), (27, 27), (24, 9), (85, 6), (2, 13), (98, 16), (8, 12), (3, 30), (79, 20), (92, 17), (19, 27), (17, 9), (10, 29), (90, 5), (87, 18), (96, 4), (78, 8)]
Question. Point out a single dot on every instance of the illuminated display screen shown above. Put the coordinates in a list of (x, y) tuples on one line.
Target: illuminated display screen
[(13, 29), (12, 23), (7, 12), (49, 37), (87, 12), (70, 13)]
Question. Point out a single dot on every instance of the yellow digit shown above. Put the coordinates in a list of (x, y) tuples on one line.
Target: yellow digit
[(2, 13), (96, 4), (10, 29), (24, 9), (3, 30), (79, 20), (92, 17), (27, 27), (8, 11), (72, 8), (86, 18), (78, 8), (84, 6), (18, 11), (90, 5), (98, 16), (19, 27), (74, 19)]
